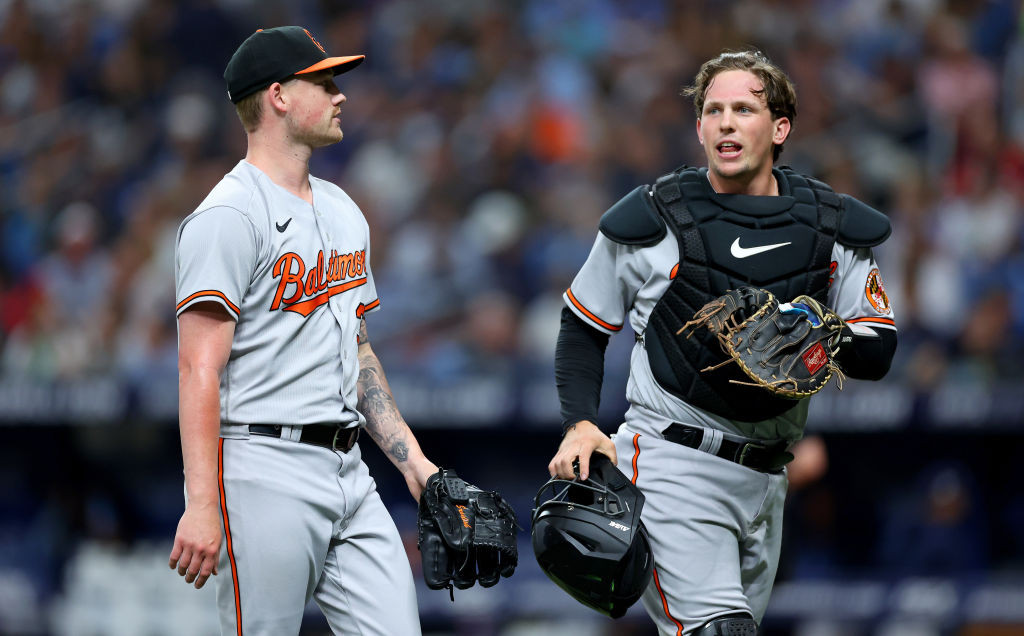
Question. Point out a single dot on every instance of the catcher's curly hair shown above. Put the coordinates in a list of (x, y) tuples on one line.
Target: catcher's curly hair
[(778, 90)]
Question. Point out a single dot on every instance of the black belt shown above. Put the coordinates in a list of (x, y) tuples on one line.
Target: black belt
[(767, 458), (332, 437)]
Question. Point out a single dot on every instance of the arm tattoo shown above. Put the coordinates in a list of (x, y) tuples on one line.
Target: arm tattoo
[(383, 421), (363, 337), (399, 451)]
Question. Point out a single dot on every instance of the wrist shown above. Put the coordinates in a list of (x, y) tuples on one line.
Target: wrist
[(572, 425), (202, 502), (415, 464)]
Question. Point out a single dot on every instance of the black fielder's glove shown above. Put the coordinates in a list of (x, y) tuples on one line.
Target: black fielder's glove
[(465, 534), (788, 348)]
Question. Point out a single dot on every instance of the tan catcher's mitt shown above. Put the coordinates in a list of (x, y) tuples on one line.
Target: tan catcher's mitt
[(786, 348)]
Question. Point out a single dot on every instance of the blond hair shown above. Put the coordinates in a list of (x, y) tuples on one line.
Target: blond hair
[(250, 111)]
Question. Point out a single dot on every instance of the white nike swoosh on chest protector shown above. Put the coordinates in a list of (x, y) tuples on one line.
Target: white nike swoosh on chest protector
[(743, 252)]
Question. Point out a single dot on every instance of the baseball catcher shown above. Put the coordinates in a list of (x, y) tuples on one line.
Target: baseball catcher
[(786, 348), (700, 263), (465, 534)]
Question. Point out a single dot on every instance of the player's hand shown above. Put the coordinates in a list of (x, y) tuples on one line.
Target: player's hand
[(197, 543), (416, 476), (579, 443)]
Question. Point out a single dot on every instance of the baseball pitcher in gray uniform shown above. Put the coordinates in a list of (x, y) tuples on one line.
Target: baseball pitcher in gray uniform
[(710, 454), (276, 374)]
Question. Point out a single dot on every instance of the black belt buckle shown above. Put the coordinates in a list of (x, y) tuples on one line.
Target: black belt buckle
[(348, 438), (746, 459), (765, 458)]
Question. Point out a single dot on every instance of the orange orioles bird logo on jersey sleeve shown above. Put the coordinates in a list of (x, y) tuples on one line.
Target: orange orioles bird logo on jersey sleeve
[(303, 291), (875, 292)]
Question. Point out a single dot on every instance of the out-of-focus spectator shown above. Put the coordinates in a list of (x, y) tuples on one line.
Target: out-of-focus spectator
[(76, 275), (938, 529), (810, 462)]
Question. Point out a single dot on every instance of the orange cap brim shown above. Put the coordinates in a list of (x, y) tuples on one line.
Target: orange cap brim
[(340, 64)]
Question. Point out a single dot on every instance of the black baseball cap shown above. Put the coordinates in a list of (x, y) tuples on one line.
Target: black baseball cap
[(273, 55)]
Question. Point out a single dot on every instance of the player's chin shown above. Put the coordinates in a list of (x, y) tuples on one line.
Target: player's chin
[(329, 138), (730, 169)]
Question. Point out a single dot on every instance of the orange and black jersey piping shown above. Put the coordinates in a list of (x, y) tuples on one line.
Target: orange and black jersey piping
[(589, 314), (208, 295), (873, 321)]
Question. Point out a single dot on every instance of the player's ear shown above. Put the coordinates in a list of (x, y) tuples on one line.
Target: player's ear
[(700, 137), (276, 97), (782, 128)]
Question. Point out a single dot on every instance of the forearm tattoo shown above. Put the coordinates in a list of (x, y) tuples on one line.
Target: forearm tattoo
[(383, 421)]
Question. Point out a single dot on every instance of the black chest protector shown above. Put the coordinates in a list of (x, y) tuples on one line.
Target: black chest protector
[(782, 244)]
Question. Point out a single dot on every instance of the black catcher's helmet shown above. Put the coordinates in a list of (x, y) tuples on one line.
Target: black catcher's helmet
[(588, 538)]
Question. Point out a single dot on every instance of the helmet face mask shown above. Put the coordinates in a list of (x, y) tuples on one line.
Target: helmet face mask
[(586, 495), (589, 540)]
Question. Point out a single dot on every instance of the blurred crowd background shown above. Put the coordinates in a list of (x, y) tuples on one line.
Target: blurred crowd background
[(483, 140)]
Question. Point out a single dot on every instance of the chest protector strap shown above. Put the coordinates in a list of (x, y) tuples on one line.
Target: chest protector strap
[(704, 224)]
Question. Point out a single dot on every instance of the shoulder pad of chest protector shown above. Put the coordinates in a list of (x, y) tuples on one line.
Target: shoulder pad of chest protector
[(633, 220), (862, 225)]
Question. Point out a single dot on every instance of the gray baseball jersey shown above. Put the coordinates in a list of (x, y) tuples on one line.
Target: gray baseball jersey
[(300, 521), (715, 526), (297, 279)]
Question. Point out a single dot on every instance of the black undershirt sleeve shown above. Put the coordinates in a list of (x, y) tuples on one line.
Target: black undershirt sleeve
[(866, 357), (579, 368)]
